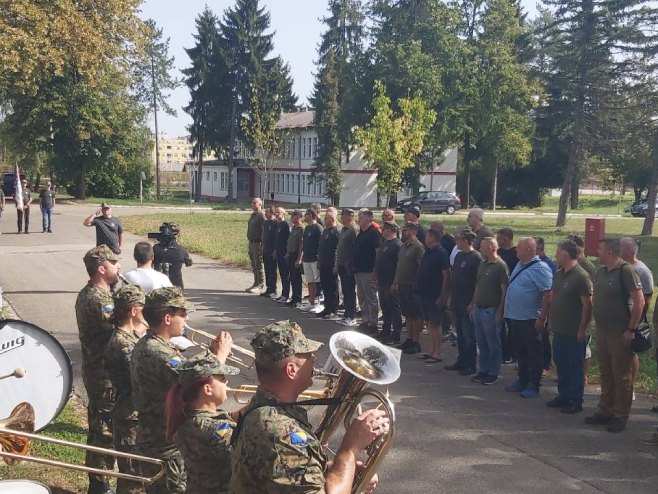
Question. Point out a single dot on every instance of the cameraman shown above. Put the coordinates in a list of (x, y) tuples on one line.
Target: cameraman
[(169, 255)]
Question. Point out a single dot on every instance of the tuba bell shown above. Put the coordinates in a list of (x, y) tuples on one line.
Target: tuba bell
[(363, 361), (21, 420)]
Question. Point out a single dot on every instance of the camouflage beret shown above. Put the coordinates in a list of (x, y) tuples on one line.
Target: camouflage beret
[(98, 255), (202, 365), (129, 296), (171, 296), (280, 340)]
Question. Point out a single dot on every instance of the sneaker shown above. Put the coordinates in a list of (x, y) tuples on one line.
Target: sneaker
[(616, 425), (255, 290), (282, 300), (489, 380), (546, 373), (248, 290), (598, 419), (382, 335), (479, 377), (305, 307), (557, 402), (571, 409), (330, 317), (349, 322), (515, 387), (466, 372), (652, 440), (531, 391), (453, 367), (390, 341), (290, 302), (316, 309), (266, 293), (274, 296), (50, 231), (508, 361)]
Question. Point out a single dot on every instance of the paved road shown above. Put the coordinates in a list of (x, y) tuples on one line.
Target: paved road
[(454, 436)]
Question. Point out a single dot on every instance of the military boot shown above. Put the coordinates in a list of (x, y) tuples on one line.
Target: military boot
[(99, 487)]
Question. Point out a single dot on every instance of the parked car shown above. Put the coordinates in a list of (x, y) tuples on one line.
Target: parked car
[(431, 201), (642, 209), (9, 184)]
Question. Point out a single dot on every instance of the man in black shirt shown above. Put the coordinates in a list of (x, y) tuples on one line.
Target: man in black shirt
[(47, 204), (109, 230), (365, 248), (447, 241), (462, 288), (327, 262), (507, 252), (169, 256), (385, 263), (310, 247), (280, 245), (269, 262)]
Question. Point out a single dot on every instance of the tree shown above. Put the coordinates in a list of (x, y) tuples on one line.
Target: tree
[(507, 92), (391, 142), (206, 81), (245, 48), (44, 39), (154, 82)]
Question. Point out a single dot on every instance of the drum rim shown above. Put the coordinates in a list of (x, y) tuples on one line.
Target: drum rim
[(26, 481), (69, 364)]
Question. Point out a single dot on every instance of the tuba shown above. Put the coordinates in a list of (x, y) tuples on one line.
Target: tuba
[(20, 420), (363, 361)]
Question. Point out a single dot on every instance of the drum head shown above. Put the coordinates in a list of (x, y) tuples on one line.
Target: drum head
[(48, 376), (22, 487)]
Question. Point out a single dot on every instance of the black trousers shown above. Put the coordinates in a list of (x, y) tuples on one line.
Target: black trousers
[(329, 285), (295, 277), (20, 214), (269, 264), (529, 347), (284, 274), (390, 305), (547, 350), (348, 285), (507, 341)]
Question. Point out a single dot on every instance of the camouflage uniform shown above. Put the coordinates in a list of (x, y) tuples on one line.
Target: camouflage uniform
[(204, 437), (153, 370), (124, 416), (276, 450), (93, 309)]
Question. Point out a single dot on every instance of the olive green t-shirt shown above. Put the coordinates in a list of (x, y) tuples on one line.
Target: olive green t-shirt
[(492, 274), (295, 239), (612, 301), (587, 265), (483, 232), (255, 226), (409, 259), (566, 304)]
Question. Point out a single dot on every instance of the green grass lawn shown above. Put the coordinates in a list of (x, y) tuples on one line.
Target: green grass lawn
[(222, 236), (594, 204)]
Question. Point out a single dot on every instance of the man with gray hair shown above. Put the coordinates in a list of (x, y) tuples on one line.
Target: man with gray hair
[(475, 220)]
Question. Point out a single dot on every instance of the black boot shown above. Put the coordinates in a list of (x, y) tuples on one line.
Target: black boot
[(99, 487)]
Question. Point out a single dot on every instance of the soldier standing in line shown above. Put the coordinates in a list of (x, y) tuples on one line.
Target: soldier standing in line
[(255, 237), (93, 310), (153, 370), (130, 326), (200, 429)]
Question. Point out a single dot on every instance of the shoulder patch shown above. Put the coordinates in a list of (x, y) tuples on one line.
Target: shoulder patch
[(298, 438), (108, 308), (175, 361), (222, 430)]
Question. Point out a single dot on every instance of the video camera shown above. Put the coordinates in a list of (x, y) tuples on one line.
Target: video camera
[(167, 233)]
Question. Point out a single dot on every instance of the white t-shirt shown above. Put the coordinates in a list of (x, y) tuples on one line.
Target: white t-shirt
[(148, 279), (453, 255)]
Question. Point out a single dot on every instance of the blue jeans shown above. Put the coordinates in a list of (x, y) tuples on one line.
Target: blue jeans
[(465, 335), (47, 218), (487, 335), (569, 357)]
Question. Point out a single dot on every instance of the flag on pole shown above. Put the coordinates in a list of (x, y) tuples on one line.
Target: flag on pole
[(18, 194)]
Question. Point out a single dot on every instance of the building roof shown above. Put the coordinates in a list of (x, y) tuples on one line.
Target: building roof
[(296, 120)]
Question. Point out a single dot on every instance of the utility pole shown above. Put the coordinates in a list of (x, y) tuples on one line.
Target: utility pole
[(157, 137)]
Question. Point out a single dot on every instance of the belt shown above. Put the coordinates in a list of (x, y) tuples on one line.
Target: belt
[(254, 241), (485, 306)]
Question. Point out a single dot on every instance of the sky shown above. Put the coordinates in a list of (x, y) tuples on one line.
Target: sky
[(297, 25)]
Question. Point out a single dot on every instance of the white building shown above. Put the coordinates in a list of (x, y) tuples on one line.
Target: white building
[(292, 174)]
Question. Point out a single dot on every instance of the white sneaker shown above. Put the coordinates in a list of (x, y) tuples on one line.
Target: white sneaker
[(341, 321), (255, 290), (316, 309), (305, 307), (349, 322), (274, 296), (282, 300), (633, 395)]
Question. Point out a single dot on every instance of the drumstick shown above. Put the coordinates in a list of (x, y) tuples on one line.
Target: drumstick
[(19, 372)]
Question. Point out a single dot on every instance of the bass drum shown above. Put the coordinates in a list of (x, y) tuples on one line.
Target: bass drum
[(48, 377), (22, 487)]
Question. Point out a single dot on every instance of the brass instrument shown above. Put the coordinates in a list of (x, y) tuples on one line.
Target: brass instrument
[(196, 333), (250, 389), (364, 361), (16, 435)]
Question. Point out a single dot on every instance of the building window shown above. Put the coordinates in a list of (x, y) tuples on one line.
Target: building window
[(214, 177), (310, 153), (208, 176), (223, 181), (292, 145), (309, 184), (303, 147)]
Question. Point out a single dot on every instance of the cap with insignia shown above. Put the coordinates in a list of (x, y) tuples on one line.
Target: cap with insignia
[(466, 234), (202, 365), (129, 296), (413, 210), (170, 296), (98, 255), (281, 340), (390, 225)]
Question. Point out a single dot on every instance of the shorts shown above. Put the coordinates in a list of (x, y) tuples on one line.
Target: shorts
[(408, 303), (429, 310), (312, 272)]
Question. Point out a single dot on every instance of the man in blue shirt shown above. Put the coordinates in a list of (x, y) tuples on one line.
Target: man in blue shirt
[(526, 303)]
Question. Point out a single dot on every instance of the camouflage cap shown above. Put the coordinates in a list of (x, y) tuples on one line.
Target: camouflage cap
[(466, 234), (202, 365), (390, 225), (410, 225), (98, 255), (129, 296), (105, 205), (280, 340), (171, 296)]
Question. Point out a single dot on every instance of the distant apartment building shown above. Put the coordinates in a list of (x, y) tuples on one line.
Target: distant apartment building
[(292, 179), (174, 153)]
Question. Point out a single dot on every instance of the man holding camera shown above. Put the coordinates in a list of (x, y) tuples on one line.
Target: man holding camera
[(169, 255)]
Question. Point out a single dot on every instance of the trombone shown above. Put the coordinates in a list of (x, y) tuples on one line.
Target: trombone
[(249, 389), (197, 333)]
